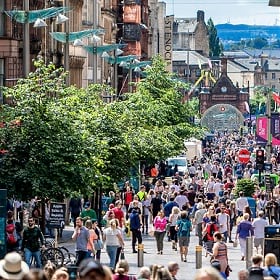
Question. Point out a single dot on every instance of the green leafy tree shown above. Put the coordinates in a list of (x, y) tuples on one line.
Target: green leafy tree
[(48, 151), (215, 46)]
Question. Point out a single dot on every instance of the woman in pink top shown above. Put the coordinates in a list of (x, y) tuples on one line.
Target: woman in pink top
[(160, 228), (92, 236)]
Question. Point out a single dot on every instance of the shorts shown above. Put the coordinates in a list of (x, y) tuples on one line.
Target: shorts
[(258, 242), (184, 241)]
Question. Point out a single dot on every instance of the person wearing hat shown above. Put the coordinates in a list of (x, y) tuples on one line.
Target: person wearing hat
[(91, 269), (12, 267), (88, 213), (31, 239)]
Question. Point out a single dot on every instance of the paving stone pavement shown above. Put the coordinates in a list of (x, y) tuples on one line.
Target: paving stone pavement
[(187, 270)]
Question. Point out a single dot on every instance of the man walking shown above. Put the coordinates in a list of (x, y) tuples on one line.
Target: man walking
[(223, 222), (31, 239), (259, 225), (81, 236), (135, 227)]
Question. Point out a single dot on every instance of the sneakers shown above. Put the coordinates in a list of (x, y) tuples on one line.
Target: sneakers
[(231, 241), (134, 251)]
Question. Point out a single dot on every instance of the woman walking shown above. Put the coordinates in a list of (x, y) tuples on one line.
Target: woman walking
[(160, 229), (220, 251), (184, 227), (92, 237), (208, 234), (244, 230), (173, 221), (98, 244), (113, 239)]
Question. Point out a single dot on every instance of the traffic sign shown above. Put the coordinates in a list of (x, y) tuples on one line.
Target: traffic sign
[(244, 155)]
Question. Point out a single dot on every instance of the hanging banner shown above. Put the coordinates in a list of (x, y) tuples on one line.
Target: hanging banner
[(261, 131), (275, 129), (168, 41), (132, 14)]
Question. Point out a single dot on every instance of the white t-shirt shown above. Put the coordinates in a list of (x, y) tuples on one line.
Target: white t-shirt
[(259, 225), (241, 202), (181, 200), (223, 220), (217, 187)]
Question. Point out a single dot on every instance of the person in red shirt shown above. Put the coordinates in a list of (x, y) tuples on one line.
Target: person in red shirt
[(128, 197), (119, 214)]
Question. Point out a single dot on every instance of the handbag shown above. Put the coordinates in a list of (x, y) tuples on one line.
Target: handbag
[(228, 270), (235, 243), (98, 244), (122, 255), (151, 232)]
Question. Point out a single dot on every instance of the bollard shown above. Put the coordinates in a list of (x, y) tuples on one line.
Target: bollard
[(249, 251), (198, 256), (140, 255)]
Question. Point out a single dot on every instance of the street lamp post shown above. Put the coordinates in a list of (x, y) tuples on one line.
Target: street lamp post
[(26, 42), (94, 61), (268, 114), (66, 51)]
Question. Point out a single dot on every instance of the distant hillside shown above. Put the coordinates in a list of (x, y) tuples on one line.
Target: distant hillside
[(230, 32)]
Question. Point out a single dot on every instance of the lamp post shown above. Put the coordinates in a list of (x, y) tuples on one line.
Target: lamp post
[(66, 51), (268, 114), (26, 41), (94, 55)]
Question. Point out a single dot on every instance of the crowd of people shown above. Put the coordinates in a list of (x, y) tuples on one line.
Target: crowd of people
[(202, 200)]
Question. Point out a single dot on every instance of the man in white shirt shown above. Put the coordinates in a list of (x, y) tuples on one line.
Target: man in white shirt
[(181, 200), (241, 202), (259, 224), (217, 187), (223, 222)]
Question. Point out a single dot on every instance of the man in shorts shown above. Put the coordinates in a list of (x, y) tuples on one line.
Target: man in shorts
[(259, 224)]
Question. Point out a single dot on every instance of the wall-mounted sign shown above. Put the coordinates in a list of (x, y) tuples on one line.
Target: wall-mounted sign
[(168, 41)]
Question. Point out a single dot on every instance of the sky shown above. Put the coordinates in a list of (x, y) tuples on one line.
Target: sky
[(252, 12)]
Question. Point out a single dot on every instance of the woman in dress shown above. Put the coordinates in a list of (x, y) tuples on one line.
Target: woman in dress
[(160, 229), (113, 239), (220, 252)]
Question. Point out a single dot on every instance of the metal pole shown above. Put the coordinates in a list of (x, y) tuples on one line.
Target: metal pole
[(249, 251), (198, 256), (26, 42), (268, 113), (66, 51), (94, 55), (116, 73), (140, 255), (130, 79)]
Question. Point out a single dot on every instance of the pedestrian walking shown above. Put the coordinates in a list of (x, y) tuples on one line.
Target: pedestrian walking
[(160, 223), (244, 230), (75, 208), (198, 221), (173, 218), (223, 221), (122, 270), (208, 234), (135, 228), (184, 227), (259, 225), (32, 239), (220, 251), (92, 237), (81, 236), (98, 243), (113, 239)]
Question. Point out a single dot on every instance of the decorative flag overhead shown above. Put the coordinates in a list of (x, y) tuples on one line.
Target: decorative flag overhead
[(276, 98), (247, 106)]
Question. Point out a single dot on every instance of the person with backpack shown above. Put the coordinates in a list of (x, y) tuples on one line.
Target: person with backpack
[(184, 227), (208, 234), (13, 236), (271, 267)]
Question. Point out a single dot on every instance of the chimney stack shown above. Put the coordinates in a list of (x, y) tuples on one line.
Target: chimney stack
[(200, 16)]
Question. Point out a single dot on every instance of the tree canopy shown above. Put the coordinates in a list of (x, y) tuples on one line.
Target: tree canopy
[(215, 46), (56, 139)]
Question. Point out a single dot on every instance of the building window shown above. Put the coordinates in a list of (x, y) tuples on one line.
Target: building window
[(273, 87), (273, 76), (2, 17)]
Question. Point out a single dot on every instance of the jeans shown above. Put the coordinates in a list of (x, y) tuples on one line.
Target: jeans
[(145, 223), (81, 255), (225, 234), (112, 252), (36, 255)]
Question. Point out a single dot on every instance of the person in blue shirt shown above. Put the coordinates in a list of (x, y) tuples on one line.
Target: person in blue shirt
[(135, 227), (169, 205), (244, 230), (271, 267)]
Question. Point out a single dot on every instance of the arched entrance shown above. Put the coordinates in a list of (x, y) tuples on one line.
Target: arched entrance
[(222, 117)]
